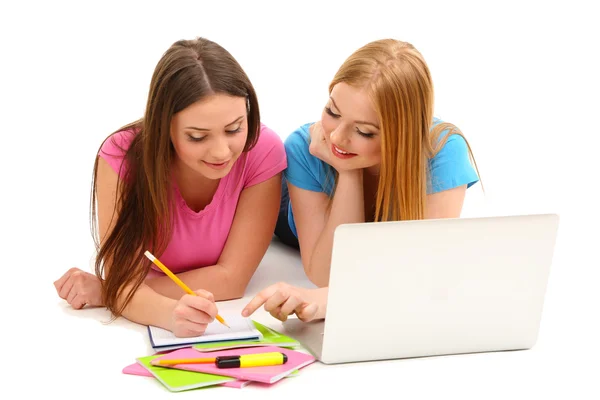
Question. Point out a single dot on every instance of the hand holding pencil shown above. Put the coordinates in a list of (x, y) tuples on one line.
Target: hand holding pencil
[(192, 313)]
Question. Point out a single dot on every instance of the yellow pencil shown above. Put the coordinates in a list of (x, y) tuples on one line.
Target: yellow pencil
[(178, 281), (184, 361)]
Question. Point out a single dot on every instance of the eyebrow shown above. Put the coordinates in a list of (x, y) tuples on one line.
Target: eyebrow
[(358, 122), (207, 130)]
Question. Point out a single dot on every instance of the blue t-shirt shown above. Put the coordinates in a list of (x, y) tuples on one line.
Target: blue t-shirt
[(448, 169)]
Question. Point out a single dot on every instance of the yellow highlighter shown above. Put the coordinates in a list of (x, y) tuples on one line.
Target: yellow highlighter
[(251, 360)]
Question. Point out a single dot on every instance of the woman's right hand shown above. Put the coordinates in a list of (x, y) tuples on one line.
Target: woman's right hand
[(192, 314), (320, 147), (282, 300)]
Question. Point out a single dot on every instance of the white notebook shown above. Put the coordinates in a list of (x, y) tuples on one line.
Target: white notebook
[(241, 328)]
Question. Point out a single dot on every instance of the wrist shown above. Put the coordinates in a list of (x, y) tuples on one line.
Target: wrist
[(319, 297), (355, 174), (98, 299), (165, 315)]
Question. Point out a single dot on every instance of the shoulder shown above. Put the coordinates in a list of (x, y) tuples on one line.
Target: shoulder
[(115, 147), (268, 143), (117, 144), (299, 140), (455, 146), (305, 170), (451, 165), (266, 159)]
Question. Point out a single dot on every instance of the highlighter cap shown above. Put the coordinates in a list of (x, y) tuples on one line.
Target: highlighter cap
[(228, 362), (251, 360)]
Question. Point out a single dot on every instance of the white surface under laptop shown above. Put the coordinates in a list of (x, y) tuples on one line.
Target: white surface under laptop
[(433, 287)]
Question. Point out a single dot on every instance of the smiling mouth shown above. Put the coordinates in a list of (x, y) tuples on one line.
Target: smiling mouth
[(341, 153), (217, 165)]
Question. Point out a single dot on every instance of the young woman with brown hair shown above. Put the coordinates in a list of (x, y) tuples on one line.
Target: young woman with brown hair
[(196, 181)]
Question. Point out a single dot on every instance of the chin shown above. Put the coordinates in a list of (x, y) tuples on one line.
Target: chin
[(214, 175)]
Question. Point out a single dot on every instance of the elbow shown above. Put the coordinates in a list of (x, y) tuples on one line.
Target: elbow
[(230, 293), (237, 290), (234, 286), (315, 271), (316, 277), (233, 295), (319, 281)]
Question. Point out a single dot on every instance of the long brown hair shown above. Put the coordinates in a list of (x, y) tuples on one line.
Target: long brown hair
[(401, 90), (187, 72)]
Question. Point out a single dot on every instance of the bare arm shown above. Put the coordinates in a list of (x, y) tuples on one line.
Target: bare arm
[(316, 227), (146, 307), (446, 204), (188, 316), (248, 240)]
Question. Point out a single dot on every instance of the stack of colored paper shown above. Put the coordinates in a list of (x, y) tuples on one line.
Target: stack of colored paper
[(179, 377)]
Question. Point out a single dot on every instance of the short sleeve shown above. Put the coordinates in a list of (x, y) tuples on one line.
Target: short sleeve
[(266, 159), (451, 166), (114, 148), (304, 170)]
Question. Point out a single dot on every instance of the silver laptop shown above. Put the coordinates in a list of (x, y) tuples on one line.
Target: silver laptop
[(433, 287)]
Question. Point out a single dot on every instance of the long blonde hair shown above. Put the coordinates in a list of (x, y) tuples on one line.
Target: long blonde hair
[(400, 87)]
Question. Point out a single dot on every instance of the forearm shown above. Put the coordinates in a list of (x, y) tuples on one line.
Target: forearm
[(347, 207), (149, 308), (216, 279)]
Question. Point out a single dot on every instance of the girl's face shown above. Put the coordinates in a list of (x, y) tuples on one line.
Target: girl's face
[(351, 127), (210, 135)]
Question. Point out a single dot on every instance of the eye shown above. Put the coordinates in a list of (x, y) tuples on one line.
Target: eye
[(234, 131), (328, 111), (364, 134), (195, 139)]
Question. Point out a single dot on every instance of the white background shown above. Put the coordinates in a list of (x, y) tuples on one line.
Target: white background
[(521, 80)]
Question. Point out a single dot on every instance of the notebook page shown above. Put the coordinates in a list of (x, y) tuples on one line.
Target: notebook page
[(240, 328)]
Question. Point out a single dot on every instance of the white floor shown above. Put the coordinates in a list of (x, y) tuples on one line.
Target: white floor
[(519, 78), (68, 353)]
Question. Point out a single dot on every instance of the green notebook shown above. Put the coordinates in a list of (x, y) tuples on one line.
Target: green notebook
[(270, 338), (177, 380)]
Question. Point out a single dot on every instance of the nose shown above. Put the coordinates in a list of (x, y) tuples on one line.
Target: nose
[(340, 136), (220, 150)]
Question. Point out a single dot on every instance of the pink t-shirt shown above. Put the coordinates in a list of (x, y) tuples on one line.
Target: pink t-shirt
[(199, 237)]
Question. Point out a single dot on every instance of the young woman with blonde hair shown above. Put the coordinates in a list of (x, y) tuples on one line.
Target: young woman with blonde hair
[(197, 182), (377, 154)]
